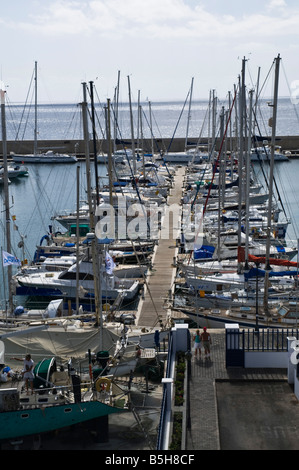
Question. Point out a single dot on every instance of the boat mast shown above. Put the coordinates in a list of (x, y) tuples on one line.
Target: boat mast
[(220, 183), (115, 120), (6, 196), (214, 115), (132, 128), (256, 100), (96, 259), (271, 176), (151, 126), (35, 109), (209, 123), (94, 141), (189, 115), (110, 159), (247, 171), (77, 239), (140, 133), (242, 104)]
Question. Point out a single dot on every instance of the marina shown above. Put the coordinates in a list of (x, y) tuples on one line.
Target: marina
[(124, 262)]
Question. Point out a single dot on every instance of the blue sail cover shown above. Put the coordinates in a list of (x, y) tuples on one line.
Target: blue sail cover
[(254, 272), (204, 252)]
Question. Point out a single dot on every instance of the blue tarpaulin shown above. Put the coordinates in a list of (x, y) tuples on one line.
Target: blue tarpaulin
[(254, 272), (204, 251)]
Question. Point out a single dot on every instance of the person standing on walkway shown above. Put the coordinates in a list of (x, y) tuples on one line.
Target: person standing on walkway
[(206, 341), (197, 343)]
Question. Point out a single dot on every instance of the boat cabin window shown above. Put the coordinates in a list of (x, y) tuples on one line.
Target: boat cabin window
[(71, 275), (282, 311)]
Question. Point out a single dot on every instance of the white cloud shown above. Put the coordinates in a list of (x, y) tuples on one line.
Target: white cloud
[(178, 38), (156, 18), (276, 4)]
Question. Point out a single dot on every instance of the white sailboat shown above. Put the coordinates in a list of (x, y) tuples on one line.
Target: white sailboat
[(41, 157), (276, 307), (264, 154)]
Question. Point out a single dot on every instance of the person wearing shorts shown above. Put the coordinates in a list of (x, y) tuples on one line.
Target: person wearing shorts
[(197, 343), (206, 341)]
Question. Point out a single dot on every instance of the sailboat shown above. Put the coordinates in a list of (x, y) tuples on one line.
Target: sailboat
[(39, 157), (62, 397), (254, 312)]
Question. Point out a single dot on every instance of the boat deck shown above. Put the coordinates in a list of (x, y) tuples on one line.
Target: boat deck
[(160, 281)]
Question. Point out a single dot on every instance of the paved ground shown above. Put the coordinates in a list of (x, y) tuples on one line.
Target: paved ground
[(234, 409)]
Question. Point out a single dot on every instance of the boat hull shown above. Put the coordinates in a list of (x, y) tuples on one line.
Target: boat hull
[(214, 320), (20, 423), (44, 159)]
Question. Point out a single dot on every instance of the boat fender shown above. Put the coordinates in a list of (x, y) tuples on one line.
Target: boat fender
[(103, 384)]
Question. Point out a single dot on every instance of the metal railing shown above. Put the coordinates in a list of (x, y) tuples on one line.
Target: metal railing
[(268, 339), (162, 423)]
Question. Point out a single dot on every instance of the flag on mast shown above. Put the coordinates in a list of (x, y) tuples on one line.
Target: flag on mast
[(109, 263), (9, 259)]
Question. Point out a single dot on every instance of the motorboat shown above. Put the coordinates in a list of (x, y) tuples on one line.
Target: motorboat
[(64, 284)]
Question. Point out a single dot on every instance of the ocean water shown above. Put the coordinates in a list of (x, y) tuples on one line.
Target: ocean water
[(50, 189)]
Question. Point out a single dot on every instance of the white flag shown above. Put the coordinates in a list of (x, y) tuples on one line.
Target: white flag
[(109, 263), (10, 259)]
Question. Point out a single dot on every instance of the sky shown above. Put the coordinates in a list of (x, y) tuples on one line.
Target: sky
[(157, 46)]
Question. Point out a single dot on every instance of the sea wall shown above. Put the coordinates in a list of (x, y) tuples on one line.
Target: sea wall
[(288, 143)]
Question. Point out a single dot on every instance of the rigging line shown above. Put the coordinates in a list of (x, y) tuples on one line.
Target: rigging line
[(151, 132), (274, 179), (147, 285), (1, 222), (202, 127), (294, 224), (134, 184), (93, 126), (290, 92), (170, 143), (286, 196), (217, 162), (102, 111), (189, 215), (156, 142), (73, 121), (26, 123), (266, 79), (30, 85), (13, 118), (154, 117), (37, 205)]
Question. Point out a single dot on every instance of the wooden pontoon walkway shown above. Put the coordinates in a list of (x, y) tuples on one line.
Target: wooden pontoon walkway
[(160, 280)]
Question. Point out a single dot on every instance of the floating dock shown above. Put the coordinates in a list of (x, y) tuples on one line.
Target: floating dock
[(160, 281)]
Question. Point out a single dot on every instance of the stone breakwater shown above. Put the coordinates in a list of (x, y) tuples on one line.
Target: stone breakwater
[(287, 143)]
